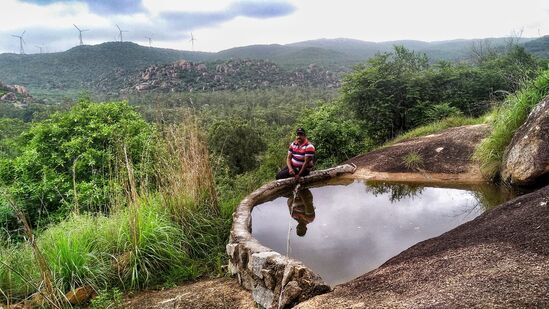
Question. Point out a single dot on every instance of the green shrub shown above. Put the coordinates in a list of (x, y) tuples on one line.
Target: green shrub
[(238, 141), (108, 298), (100, 251), (395, 92), (337, 136), (442, 111), (157, 253), (70, 247), (84, 145)]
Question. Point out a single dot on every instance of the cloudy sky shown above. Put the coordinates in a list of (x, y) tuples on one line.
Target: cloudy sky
[(222, 24)]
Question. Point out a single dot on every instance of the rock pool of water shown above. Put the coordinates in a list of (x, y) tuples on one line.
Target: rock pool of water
[(343, 231)]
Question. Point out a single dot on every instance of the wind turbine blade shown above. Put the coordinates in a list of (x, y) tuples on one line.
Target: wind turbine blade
[(85, 30), (23, 32), (75, 26), (118, 27)]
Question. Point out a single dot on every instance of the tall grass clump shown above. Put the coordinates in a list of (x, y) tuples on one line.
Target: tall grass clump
[(19, 275), (184, 169), (70, 248), (157, 253), (412, 160), (188, 192), (509, 117), (101, 251)]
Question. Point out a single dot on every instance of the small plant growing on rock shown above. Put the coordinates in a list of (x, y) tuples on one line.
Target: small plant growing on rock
[(412, 160)]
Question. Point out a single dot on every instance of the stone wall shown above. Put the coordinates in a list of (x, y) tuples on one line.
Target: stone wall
[(275, 280)]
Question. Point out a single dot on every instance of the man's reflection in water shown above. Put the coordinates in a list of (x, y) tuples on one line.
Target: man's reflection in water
[(301, 209)]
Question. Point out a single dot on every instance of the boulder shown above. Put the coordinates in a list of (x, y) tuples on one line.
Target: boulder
[(80, 295), (527, 156), (21, 90), (143, 87), (8, 97), (183, 64), (201, 67)]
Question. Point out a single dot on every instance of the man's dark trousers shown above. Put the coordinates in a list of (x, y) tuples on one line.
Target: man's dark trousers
[(285, 173)]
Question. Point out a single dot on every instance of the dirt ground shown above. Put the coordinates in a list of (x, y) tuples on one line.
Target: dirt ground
[(221, 293), (498, 260), (444, 156)]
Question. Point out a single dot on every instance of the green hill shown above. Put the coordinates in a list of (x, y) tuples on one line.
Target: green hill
[(80, 67), (539, 47), (83, 67)]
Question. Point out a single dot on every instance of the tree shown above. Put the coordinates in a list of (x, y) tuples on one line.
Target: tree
[(337, 136), (71, 159), (238, 142), (395, 91), (378, 92)]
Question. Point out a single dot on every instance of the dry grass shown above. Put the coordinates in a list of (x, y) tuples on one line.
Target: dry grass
[(184, 170)]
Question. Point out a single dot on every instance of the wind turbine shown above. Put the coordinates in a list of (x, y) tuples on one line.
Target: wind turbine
[(121, 31), (150, 41), (39, 47), (80, 33), (21, 41), (192, 40)]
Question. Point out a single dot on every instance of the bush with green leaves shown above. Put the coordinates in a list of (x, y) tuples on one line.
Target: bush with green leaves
[(73, 159), (10, 131), (108, 298), (442, 111), (395, 92), (238, 141), (337, 136)]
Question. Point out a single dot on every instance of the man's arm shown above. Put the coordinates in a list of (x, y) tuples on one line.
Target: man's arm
[(304, 166), (289, 164)]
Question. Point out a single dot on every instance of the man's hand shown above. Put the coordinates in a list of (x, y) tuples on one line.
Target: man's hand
[(291, 171)]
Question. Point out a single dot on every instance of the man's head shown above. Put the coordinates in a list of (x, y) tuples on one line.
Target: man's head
[(300, 135), (301, 229)]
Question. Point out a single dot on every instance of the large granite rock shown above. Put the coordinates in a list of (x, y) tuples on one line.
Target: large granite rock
[(527, 156)]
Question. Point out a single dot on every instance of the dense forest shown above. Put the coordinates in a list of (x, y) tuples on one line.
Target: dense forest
[(124, 195)]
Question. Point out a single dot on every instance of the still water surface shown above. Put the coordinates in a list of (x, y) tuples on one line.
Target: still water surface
[(351, 229)]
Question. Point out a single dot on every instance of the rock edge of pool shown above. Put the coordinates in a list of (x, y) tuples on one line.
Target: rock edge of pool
[(275, 280)]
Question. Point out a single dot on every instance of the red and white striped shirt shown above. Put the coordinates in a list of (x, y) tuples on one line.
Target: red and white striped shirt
[(299, 152)]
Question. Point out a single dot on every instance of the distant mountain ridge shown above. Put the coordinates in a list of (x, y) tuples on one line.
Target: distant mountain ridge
[(82, 67)]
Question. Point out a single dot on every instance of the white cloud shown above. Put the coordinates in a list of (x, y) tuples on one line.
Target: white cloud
[(379, 20), (158, 6)]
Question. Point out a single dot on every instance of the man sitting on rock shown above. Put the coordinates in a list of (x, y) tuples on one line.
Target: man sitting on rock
[(300, 157)]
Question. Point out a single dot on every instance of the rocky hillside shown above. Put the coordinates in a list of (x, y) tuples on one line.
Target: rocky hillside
[(14, 94), (184, 76), (80, 67)]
